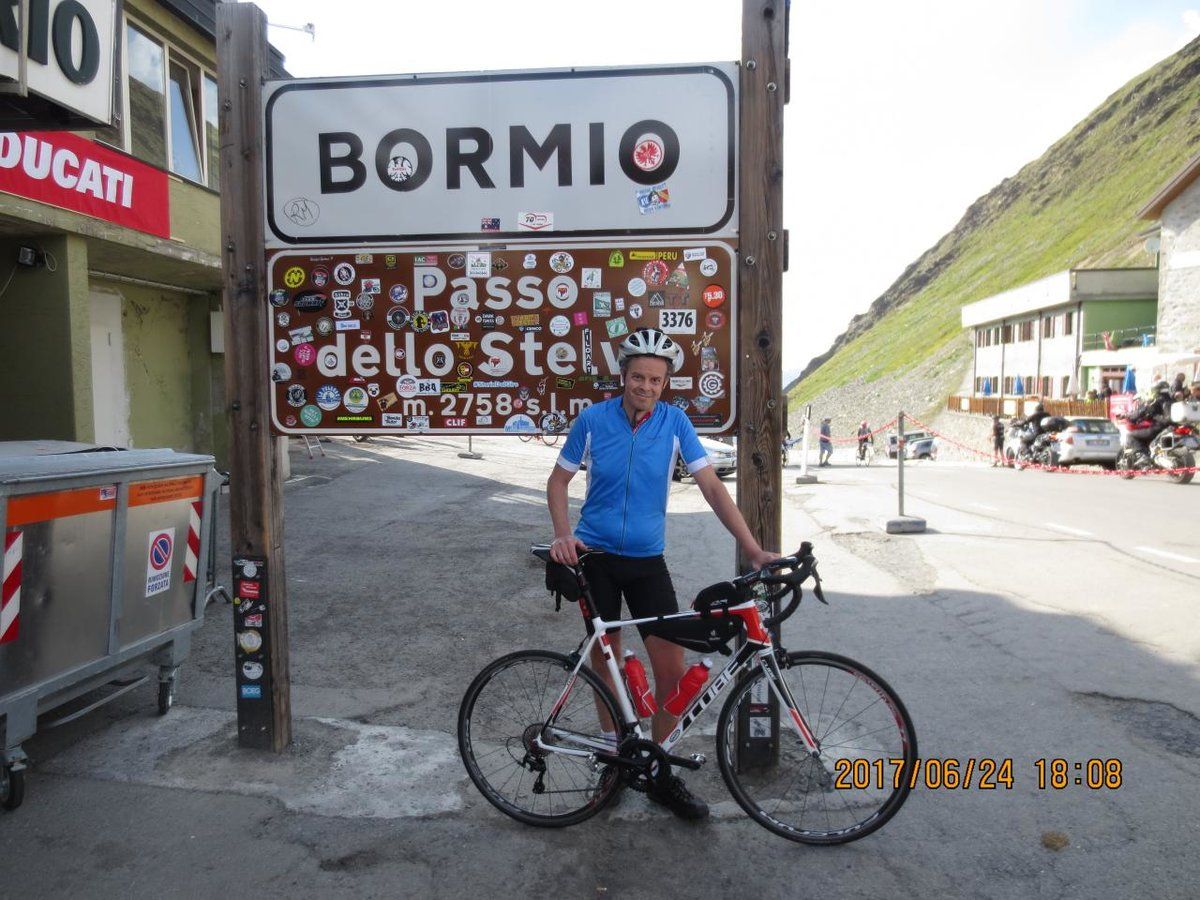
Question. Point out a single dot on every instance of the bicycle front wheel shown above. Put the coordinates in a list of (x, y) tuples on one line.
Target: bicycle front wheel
[(850, 786), (505, 711), (550, 440)]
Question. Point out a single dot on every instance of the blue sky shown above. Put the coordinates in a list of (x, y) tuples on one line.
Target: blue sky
[(902, 113)]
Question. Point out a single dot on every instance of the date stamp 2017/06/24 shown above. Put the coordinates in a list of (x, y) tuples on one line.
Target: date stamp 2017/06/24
[(979, 773)]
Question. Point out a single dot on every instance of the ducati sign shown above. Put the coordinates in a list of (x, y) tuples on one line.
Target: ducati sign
[(548, 153)]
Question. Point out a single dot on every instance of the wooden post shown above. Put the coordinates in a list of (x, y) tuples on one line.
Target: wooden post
[(762, 407), (255, 494), (761, 404)]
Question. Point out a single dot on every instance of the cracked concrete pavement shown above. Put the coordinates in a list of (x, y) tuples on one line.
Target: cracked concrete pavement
[(408, 571)]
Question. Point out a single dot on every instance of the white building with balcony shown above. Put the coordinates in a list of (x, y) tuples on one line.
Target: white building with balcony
[(1064, 334)]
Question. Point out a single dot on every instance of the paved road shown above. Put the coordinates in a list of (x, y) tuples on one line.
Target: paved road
[(407, 568)]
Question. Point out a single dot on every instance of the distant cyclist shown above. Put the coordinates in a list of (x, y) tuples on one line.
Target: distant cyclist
[(630, 444), (864, 438)]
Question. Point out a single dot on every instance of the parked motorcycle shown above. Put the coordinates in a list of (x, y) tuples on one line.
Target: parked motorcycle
[(1028, 447), (1147, 445)]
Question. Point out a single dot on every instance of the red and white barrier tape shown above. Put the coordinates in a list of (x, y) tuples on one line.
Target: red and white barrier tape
[(854, 440), (1119, 473)]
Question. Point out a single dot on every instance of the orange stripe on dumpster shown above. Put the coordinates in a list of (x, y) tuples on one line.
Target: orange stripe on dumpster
[(30, 508), (143, 493)]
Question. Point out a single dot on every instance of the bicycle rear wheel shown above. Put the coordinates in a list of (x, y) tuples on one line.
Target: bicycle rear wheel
[(506, 708), (550, 439), (525, 438), (849, 788)]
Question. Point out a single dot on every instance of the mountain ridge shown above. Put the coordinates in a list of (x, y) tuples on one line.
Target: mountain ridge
[(1074, 206)]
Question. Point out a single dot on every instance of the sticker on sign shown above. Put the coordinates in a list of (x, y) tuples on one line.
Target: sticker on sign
[(677, 321), (535, 221)]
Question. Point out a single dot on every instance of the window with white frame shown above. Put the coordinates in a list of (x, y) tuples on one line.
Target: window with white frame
[(170, 116)]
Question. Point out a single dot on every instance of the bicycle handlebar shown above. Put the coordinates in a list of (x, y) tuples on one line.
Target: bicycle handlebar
[(803, 565)]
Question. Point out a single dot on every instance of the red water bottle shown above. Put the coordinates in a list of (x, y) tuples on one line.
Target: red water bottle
[(635, 677), (688, 688)]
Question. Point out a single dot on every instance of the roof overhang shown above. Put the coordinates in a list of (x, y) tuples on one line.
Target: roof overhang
[(1172, 189)]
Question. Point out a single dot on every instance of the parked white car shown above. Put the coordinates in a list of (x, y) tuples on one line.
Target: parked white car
[(723, 457), (1090, 441)]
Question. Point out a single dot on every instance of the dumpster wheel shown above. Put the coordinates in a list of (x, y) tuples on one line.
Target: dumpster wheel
[(12, 787), (166, 696)]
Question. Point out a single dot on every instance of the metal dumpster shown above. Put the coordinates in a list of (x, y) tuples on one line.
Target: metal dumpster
[(104, 571)]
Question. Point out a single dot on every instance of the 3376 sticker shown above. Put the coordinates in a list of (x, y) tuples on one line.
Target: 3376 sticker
[(677, 321)]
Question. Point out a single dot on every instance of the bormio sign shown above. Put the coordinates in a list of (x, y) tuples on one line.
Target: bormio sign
[(70, 54), (465, 253), (582, 153)]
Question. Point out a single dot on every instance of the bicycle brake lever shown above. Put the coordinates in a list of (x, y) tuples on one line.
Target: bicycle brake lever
[(817, 592)]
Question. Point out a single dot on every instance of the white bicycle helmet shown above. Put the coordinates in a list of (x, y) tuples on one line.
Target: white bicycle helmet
[(651, 342)]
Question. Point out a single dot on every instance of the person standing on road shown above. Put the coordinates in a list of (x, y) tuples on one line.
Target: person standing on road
[(630, 444), (997, 441), (826, 443)]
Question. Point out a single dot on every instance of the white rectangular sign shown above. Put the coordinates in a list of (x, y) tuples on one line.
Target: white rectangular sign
[(70, 50), (415, 158), (159, 554)]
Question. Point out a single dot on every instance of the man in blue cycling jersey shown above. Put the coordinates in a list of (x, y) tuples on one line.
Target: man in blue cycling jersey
[(630, 444)]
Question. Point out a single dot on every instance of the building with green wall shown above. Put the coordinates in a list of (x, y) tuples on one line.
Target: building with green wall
[(1054, 337), (114, 331)]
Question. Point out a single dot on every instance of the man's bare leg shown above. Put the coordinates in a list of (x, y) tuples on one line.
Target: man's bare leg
[(666, 659)]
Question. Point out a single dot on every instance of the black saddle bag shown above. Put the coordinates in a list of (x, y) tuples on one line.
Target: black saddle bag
[(561, 582)]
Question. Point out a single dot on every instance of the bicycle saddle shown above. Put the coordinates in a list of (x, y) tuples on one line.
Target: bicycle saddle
[(542, 552)]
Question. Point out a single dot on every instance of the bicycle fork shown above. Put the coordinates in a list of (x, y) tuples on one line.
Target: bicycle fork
[(783, 695)]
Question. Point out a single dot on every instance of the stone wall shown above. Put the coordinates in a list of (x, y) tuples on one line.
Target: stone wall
[(1179, 277)]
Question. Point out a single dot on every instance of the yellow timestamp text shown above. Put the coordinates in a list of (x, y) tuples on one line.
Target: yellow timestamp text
[(1096, 774), (978, 773)]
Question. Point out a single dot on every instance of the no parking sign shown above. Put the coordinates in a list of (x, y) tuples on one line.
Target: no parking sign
[(160, 550)]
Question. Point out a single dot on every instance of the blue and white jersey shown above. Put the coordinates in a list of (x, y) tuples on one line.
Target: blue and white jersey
[(629, 473)]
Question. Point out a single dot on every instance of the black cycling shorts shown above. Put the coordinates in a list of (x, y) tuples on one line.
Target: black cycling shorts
[(643, 582)]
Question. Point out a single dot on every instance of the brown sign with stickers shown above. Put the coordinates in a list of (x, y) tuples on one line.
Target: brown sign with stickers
[(492, 341)]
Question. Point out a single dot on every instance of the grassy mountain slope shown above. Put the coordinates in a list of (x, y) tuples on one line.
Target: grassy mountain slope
[(1074, 206)]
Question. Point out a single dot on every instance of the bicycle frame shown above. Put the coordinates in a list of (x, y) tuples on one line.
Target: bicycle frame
[(758, 647)]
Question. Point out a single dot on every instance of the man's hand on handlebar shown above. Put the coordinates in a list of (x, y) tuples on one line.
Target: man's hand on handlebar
[(761, 558), (566, 549)]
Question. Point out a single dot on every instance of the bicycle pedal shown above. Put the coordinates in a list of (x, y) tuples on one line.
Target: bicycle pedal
[(694, 762)]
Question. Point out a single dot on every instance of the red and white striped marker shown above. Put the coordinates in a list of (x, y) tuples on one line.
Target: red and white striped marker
[(192, 556), (10, 600)]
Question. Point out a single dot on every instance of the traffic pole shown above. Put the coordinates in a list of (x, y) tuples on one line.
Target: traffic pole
[(804, 477), (903, 524), (470, 454)]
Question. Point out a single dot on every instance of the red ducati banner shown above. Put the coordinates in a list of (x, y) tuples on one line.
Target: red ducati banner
[(79, 175)]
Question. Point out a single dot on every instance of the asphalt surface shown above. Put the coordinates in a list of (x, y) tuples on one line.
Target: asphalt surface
[(1007, 638)]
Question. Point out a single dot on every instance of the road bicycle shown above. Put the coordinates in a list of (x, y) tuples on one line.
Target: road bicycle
[(866, 454), (535, 729), (549, 440)]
